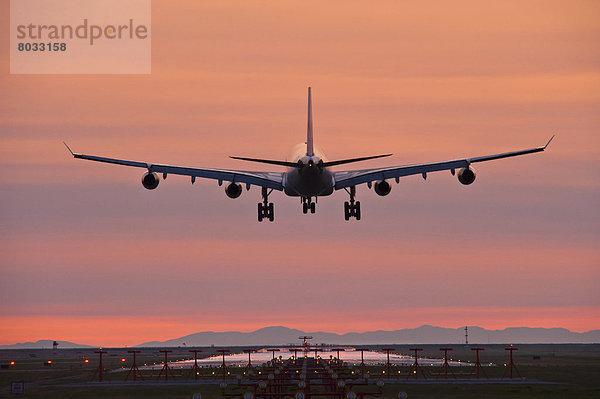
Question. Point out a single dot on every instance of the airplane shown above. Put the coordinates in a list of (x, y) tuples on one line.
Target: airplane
[(308, 174)]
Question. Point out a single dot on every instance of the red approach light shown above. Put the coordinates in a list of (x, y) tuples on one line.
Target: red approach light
[(12, 363), (123, 359), (86, 361)]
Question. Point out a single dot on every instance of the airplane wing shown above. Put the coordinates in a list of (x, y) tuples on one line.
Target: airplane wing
[(344, 179), (263, 179)]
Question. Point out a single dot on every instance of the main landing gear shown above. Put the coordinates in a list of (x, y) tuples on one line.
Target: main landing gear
[(352, 208), (265, 209), (308, 204)]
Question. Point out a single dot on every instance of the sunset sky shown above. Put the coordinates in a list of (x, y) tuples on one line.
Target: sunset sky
[(88, 255)]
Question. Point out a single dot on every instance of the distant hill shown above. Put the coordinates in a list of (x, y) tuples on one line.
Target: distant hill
[(44, 344), (425, 334)]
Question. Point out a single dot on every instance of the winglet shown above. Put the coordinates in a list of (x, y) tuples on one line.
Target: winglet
[(549, 141), (68, 148)]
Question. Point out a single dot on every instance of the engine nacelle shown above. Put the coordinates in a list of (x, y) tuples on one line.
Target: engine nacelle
[(150, 180), (233, 190), (466, 175), (383, 188)]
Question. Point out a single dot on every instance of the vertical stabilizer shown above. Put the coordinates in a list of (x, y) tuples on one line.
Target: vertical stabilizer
[(309, 130)]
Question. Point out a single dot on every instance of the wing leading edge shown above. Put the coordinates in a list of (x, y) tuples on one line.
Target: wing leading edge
[(263, 179), (344, 179)]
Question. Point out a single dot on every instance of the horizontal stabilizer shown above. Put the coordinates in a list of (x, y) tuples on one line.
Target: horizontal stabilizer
[(269, 161), (344, 161), (324, 164)]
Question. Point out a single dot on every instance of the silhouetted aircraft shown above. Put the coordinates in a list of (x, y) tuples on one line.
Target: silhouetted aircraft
[(308, 175)]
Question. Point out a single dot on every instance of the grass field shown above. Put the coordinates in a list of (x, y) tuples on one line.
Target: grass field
[(549, 371)]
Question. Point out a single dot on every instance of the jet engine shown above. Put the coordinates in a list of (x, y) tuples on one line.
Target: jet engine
[(383, 188), (150, 180), (466, 175), (233, 190)]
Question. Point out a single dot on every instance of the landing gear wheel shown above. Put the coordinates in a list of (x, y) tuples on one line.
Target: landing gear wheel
[(308, 205), (270, 211), (260, 212), (265, 209), (352, 208)]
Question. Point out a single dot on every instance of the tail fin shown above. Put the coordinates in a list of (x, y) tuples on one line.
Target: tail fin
[(309, 133)]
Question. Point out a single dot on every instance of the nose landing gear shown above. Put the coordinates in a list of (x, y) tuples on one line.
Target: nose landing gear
[(352, 208), (308, 204), (265, 209)]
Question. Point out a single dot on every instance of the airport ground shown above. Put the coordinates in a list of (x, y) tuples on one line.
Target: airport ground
[(548, 371)]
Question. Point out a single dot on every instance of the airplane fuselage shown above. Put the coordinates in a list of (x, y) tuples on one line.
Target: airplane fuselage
[(310, 178)]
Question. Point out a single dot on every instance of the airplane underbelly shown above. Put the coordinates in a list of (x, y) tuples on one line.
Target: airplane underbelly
[(310, 182)]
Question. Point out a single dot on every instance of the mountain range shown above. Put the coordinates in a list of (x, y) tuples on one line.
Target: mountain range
[(426, 334), (45, 344)]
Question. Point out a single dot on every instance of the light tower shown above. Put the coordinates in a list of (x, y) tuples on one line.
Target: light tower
[(478, 363), (388, 364), (305, 343), (100, 368), (223, 352), (337, 351), (446, 364), (295, 350), (249, 351), (414, 370), (273, 350), (134, 368), (511, 365), (195, 367), (165, 367), (362, 361)]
